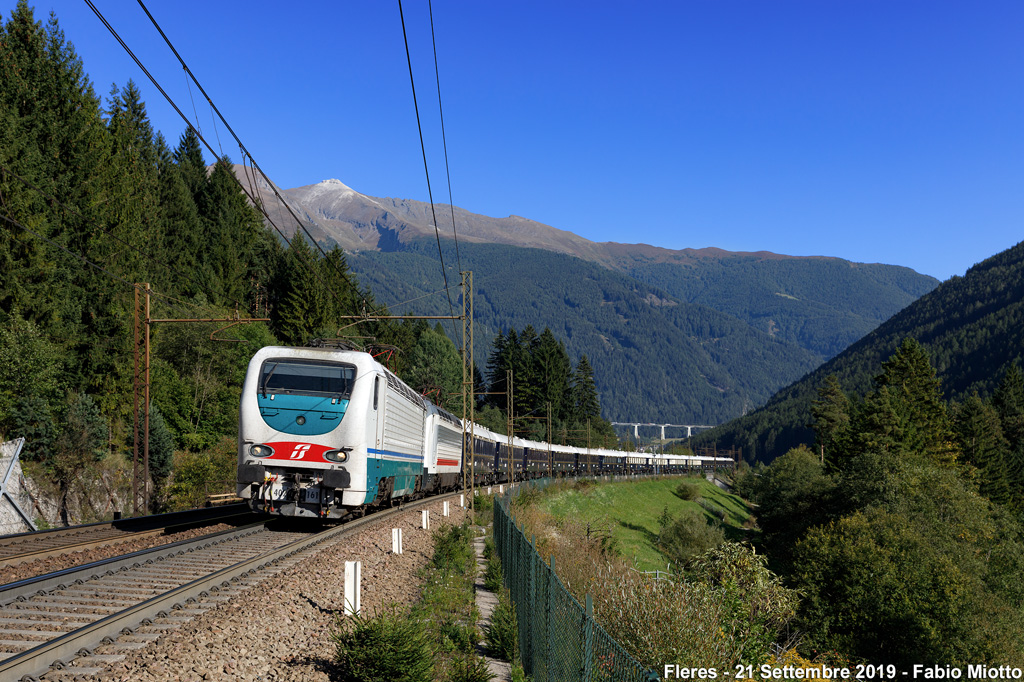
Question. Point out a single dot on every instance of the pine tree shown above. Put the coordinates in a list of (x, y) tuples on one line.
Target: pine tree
[(82, 440), (301, 314), (908, 409), (982, 444), (181, 227), (831, 414), (1008, 401), (553, 368), (585, 400), (161, 448), (497, 364), (189, 157)]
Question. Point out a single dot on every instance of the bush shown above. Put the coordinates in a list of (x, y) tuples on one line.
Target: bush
[(483, 503), (456, 636), (389, 647), (503, 632), (687, 535), (688, 491), (453, 548), (469, 668), (492, 574)]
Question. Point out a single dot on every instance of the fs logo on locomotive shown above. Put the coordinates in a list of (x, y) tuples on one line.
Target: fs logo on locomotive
[(300, 451)]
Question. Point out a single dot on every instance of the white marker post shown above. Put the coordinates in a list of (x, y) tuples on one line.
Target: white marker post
[(396, 540), (353, 570), (462, 501), (425, 514), (446, 508)]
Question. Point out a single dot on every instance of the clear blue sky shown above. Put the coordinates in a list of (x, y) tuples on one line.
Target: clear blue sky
[(874, 130)]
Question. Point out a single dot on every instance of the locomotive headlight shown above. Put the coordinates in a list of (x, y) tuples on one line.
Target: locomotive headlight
[(261, 450), (339, 455), (300, 420)]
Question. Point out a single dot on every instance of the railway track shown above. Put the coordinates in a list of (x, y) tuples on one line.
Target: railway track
[(23, 547), (48, 621)]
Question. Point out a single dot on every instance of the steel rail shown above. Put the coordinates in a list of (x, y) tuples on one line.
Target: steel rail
[(120, 531), (41, 659)]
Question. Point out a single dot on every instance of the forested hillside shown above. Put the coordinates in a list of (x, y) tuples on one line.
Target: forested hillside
[(972, 328), (92, 202), (901, 529), (821, 304), (653, 357)]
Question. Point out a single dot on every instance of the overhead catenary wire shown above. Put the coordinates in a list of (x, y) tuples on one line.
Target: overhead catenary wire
[(444, 141), (241, 146), (426, 170)]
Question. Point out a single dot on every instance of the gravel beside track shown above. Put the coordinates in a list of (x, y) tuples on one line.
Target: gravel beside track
[(31, 569), (279, 628)]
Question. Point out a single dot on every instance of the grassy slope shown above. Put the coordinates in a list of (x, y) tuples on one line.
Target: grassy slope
[(631, 510)]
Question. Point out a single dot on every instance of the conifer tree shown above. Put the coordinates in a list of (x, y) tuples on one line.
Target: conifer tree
[(553, 368), (181, 227), (906, 413), (584, 391), (497, 363), (983, 445), (831, 414), (302, 313), (1008, 401), (189, 157)]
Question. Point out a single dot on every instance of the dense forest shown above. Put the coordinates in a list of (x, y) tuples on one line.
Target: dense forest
[(655, 359), (820, 304), (552, 400), (901, 529), (971, 326)]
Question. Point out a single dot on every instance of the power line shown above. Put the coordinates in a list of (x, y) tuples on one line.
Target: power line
[(426, 170), (242, 148), (245, 152), (444, 141)]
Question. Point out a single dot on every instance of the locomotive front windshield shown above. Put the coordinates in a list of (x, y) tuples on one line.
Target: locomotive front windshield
[(307, 377)]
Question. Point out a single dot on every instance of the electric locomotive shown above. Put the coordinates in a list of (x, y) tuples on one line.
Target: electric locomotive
[(324, 431)]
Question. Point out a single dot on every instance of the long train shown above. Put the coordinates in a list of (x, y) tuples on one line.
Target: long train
[(324, 433)]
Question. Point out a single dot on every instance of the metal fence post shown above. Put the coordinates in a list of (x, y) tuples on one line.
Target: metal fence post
[(588, 639), (551, 637)]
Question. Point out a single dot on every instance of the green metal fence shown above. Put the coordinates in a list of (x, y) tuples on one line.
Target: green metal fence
[(558, 638)]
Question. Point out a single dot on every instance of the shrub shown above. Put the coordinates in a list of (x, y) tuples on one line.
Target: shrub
[(483, 503), (687, 535), (502, 632), (492, 574), (469, 668), (389, 647), (453, 548), (457, 636), (688, 491)]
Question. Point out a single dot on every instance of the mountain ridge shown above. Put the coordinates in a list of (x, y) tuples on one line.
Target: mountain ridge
[(814, 306)]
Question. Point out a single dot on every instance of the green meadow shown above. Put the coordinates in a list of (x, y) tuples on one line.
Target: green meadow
[(628, 512)]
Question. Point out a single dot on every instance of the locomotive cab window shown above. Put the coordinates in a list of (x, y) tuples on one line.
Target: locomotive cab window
[(307, 377)]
